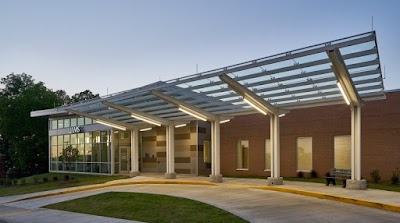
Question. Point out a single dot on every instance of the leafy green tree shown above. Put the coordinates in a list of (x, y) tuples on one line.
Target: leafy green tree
[(63, 96), (69, 156), (24, 139), (83, 96)]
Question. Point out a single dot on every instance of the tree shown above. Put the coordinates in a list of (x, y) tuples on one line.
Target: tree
[(83, 96), (63, 96), (15, 84), (70, 156), (24, 139)]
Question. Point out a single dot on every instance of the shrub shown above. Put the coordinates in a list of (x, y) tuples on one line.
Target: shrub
[(55, 179), (313, 174), (394, 180), (23, 181), (2, 181), (8, 182), (375, 177), (45, 179), (300, 174), (66, 177), (35, 179), (15, 182)]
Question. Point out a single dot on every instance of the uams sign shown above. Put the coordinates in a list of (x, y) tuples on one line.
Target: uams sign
[(75, 129)]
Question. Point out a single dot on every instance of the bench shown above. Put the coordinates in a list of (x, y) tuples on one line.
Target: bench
[(340, 174)]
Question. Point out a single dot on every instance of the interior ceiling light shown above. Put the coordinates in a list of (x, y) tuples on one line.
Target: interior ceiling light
[(224, 121), (146, 129), (343, 93), (181, 125), (111, 125), (192, 113), (145, 119), (281, 115)]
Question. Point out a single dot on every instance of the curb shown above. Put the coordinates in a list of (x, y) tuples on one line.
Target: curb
[(361, 202), (204, 183)]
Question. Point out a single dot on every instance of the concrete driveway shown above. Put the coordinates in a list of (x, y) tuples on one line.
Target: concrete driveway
[(254, 205)]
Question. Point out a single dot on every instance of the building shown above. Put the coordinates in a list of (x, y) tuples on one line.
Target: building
[(313, 108), (316, 139)]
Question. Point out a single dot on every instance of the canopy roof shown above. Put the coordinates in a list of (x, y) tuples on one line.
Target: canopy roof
[(296, 79)]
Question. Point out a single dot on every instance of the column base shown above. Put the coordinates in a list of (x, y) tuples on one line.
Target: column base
[(356, 184), (274, 181), (170, 175), (216, 178), (134, 174)]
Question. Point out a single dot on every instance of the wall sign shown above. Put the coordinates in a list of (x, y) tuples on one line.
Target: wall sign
[(75, 129)]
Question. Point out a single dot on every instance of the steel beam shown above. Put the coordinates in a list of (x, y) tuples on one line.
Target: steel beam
[(343, 77), (184, 105), (141, 115), (103, 119)]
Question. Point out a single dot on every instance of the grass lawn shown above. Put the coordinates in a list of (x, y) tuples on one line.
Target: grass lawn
[(147, 208), (30, 186)]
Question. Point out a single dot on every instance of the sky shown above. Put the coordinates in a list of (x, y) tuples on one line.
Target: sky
[(109, 46)]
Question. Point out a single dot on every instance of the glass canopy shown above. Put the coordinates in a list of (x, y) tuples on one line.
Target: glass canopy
[(296, 79)]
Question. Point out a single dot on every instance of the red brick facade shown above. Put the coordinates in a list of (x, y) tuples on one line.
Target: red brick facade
[(380, 138)]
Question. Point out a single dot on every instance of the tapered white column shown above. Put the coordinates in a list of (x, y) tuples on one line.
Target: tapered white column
[(275, 178), (356, 182), (112, 152), (134, 153), (355, 143), (170, 150), (215, 153)]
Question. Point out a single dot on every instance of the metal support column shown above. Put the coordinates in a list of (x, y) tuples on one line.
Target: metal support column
[(356, 182), (170, 134), (112, 151), (275, 178), (134, 153), (215, 153), (355, 143)]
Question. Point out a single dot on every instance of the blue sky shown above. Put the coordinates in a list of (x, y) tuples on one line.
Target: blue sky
[(118, 45)]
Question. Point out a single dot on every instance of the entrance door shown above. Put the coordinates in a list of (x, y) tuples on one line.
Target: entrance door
[(124, 159)]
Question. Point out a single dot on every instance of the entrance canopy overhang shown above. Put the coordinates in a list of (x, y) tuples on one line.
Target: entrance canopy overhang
[(301, 78), (342, 71)]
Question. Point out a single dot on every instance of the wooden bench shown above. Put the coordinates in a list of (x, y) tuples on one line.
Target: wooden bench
[(340, 174)]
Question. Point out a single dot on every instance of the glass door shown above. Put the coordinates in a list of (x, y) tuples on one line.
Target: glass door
[(124, 158)]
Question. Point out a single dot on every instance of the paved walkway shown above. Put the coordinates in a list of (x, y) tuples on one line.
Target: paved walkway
[(247, 198)]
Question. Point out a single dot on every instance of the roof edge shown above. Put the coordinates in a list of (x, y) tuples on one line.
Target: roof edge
[(46, 112)]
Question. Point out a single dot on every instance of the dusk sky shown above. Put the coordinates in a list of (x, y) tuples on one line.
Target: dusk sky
[(119, 45)]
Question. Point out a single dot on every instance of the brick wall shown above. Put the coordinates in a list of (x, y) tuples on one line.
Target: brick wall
[(380, 137)]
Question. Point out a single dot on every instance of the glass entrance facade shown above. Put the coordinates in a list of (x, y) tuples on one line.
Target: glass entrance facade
[(94, 152)]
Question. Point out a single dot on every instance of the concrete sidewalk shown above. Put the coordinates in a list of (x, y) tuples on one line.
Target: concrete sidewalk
[(258, 199), (387, 200)]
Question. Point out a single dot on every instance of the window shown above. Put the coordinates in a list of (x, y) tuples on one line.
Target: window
[(94, 151), (243, 154), (304, 153), (88, 121), (81, 121), (60, 124), (53, 124), (207, 151), (342, 152), (74, 122), (66, 123), (67, 139), (267, 154)]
